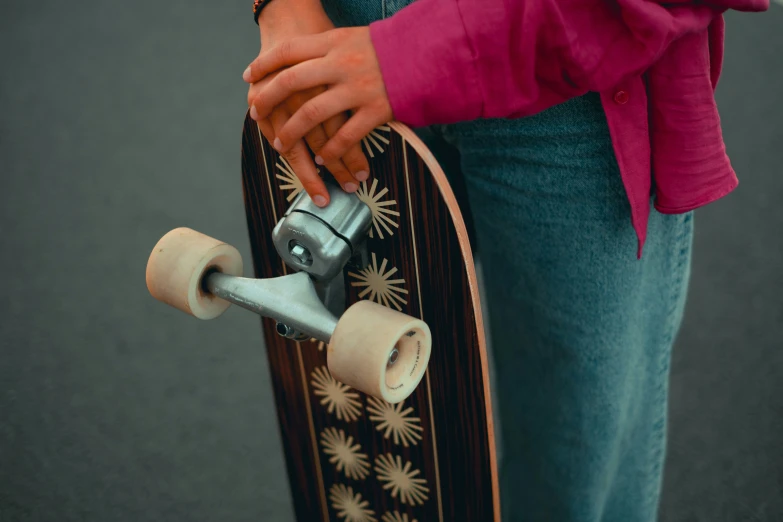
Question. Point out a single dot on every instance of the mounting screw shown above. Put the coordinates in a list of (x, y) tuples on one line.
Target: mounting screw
[(300, 253)]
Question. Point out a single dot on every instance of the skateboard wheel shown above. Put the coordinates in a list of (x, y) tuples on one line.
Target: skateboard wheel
[(379, 351), (178, 264)]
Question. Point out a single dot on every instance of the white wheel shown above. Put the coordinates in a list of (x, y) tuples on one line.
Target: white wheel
[(379, 351), (178, 264)]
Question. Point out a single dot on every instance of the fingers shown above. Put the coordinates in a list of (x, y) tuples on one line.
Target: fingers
[(337, 168), (287, 52), (354, 159), (301, 163), (316, 111), (349, 135), (266, 129), (299, 90), (318, 137), (298, 78)]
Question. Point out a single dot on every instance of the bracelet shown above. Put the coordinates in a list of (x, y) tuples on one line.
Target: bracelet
[(257, 6)]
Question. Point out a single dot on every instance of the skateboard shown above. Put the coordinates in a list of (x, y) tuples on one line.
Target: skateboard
[(373, 330)]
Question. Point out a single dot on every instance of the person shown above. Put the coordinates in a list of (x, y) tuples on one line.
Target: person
[(588, 134)]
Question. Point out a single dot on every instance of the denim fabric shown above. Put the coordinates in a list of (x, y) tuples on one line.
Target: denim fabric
[(581, 330)]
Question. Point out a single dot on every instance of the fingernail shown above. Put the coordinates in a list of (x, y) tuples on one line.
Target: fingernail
[(319, 160), (278, 144), (362, 175), (350, 187), (253, 112), (246, 74), (319, 201)]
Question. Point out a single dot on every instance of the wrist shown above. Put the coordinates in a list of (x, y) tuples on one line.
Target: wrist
[(282, 11), (282, 19)]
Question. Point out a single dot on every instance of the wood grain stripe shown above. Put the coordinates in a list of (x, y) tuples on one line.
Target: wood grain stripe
[(313, 437), (421, 316)]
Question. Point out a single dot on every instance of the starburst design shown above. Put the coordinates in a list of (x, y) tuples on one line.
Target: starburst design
[(375, 138), (401, 479), (344, 454), (382, 290), (349, 505), (289, 181), (321, 344), (335, 396), (394, 421), (395, 516), (381, 215)]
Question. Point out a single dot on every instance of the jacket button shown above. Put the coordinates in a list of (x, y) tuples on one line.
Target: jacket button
[(621, 97)]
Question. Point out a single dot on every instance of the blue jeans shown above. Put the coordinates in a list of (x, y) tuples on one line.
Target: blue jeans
[(581, 331)]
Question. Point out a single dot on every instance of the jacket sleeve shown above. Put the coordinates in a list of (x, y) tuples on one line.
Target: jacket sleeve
[(455, 60)]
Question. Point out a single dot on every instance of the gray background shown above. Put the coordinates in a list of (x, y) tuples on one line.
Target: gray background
[(119, 121)]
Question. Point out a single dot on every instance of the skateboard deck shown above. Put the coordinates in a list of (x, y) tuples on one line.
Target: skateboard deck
[(355, 458)]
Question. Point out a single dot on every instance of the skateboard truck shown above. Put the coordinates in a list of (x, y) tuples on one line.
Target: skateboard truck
[(376, 350), (320, 242)]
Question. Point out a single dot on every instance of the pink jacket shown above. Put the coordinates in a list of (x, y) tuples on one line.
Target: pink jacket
[(655, 65)]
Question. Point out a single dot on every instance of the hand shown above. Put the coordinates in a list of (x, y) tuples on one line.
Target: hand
[(342, 59), (302, 17)]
